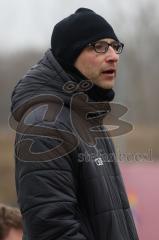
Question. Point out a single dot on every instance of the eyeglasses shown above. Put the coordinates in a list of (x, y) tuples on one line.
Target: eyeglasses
[(102, 46)]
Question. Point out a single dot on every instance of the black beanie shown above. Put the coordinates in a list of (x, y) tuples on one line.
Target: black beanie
[(74, 32)]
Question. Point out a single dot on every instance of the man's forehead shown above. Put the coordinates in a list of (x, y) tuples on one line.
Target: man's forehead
[(109, 40)]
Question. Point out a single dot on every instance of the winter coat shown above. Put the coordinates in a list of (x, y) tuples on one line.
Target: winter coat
[(67, 186)]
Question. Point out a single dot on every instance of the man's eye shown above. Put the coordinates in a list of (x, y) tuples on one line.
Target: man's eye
[(116, 46), (100, 46)]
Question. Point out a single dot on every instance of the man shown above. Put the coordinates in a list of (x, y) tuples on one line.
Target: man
[(67, 186), (10, 223)]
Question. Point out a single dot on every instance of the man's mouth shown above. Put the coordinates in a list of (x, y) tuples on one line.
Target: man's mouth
[(109, 72)]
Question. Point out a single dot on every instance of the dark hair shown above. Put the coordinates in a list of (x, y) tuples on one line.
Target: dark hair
[(10, 217)]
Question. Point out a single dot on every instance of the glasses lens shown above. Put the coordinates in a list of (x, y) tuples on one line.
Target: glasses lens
[(117, 46), (101, 47)]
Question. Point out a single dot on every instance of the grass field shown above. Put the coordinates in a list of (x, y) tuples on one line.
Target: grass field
[(7, 183)]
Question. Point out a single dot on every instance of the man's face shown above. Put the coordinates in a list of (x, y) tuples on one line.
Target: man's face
[(14, 234), (100, 68)]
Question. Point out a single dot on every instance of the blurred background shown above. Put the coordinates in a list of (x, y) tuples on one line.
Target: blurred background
[(25, 31)]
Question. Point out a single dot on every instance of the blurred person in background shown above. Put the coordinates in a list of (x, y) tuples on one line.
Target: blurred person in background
[(68, 180), (10, 223)]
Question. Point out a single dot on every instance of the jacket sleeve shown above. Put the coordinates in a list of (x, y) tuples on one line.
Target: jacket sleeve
[(47, 194)]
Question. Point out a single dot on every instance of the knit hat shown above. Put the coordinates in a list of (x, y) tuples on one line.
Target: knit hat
[(71, 35)]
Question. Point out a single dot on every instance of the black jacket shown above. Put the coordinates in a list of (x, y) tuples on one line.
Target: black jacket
[(67, 186)]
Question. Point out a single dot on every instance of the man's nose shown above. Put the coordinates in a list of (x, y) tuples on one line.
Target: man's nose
[(111, 55)]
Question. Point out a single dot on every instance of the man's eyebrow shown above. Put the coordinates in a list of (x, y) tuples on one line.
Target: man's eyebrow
[(105, 41)]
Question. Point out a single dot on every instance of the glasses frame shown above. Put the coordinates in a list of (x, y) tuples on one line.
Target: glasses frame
[(107, 45)]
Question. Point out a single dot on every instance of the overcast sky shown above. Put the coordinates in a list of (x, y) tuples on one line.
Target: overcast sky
[(29, 23)]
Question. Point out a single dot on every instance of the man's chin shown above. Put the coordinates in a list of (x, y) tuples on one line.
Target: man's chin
[(107, 84)]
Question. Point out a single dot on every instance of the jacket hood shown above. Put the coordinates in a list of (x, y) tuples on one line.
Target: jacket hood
[(47, 79), (41, 82)]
